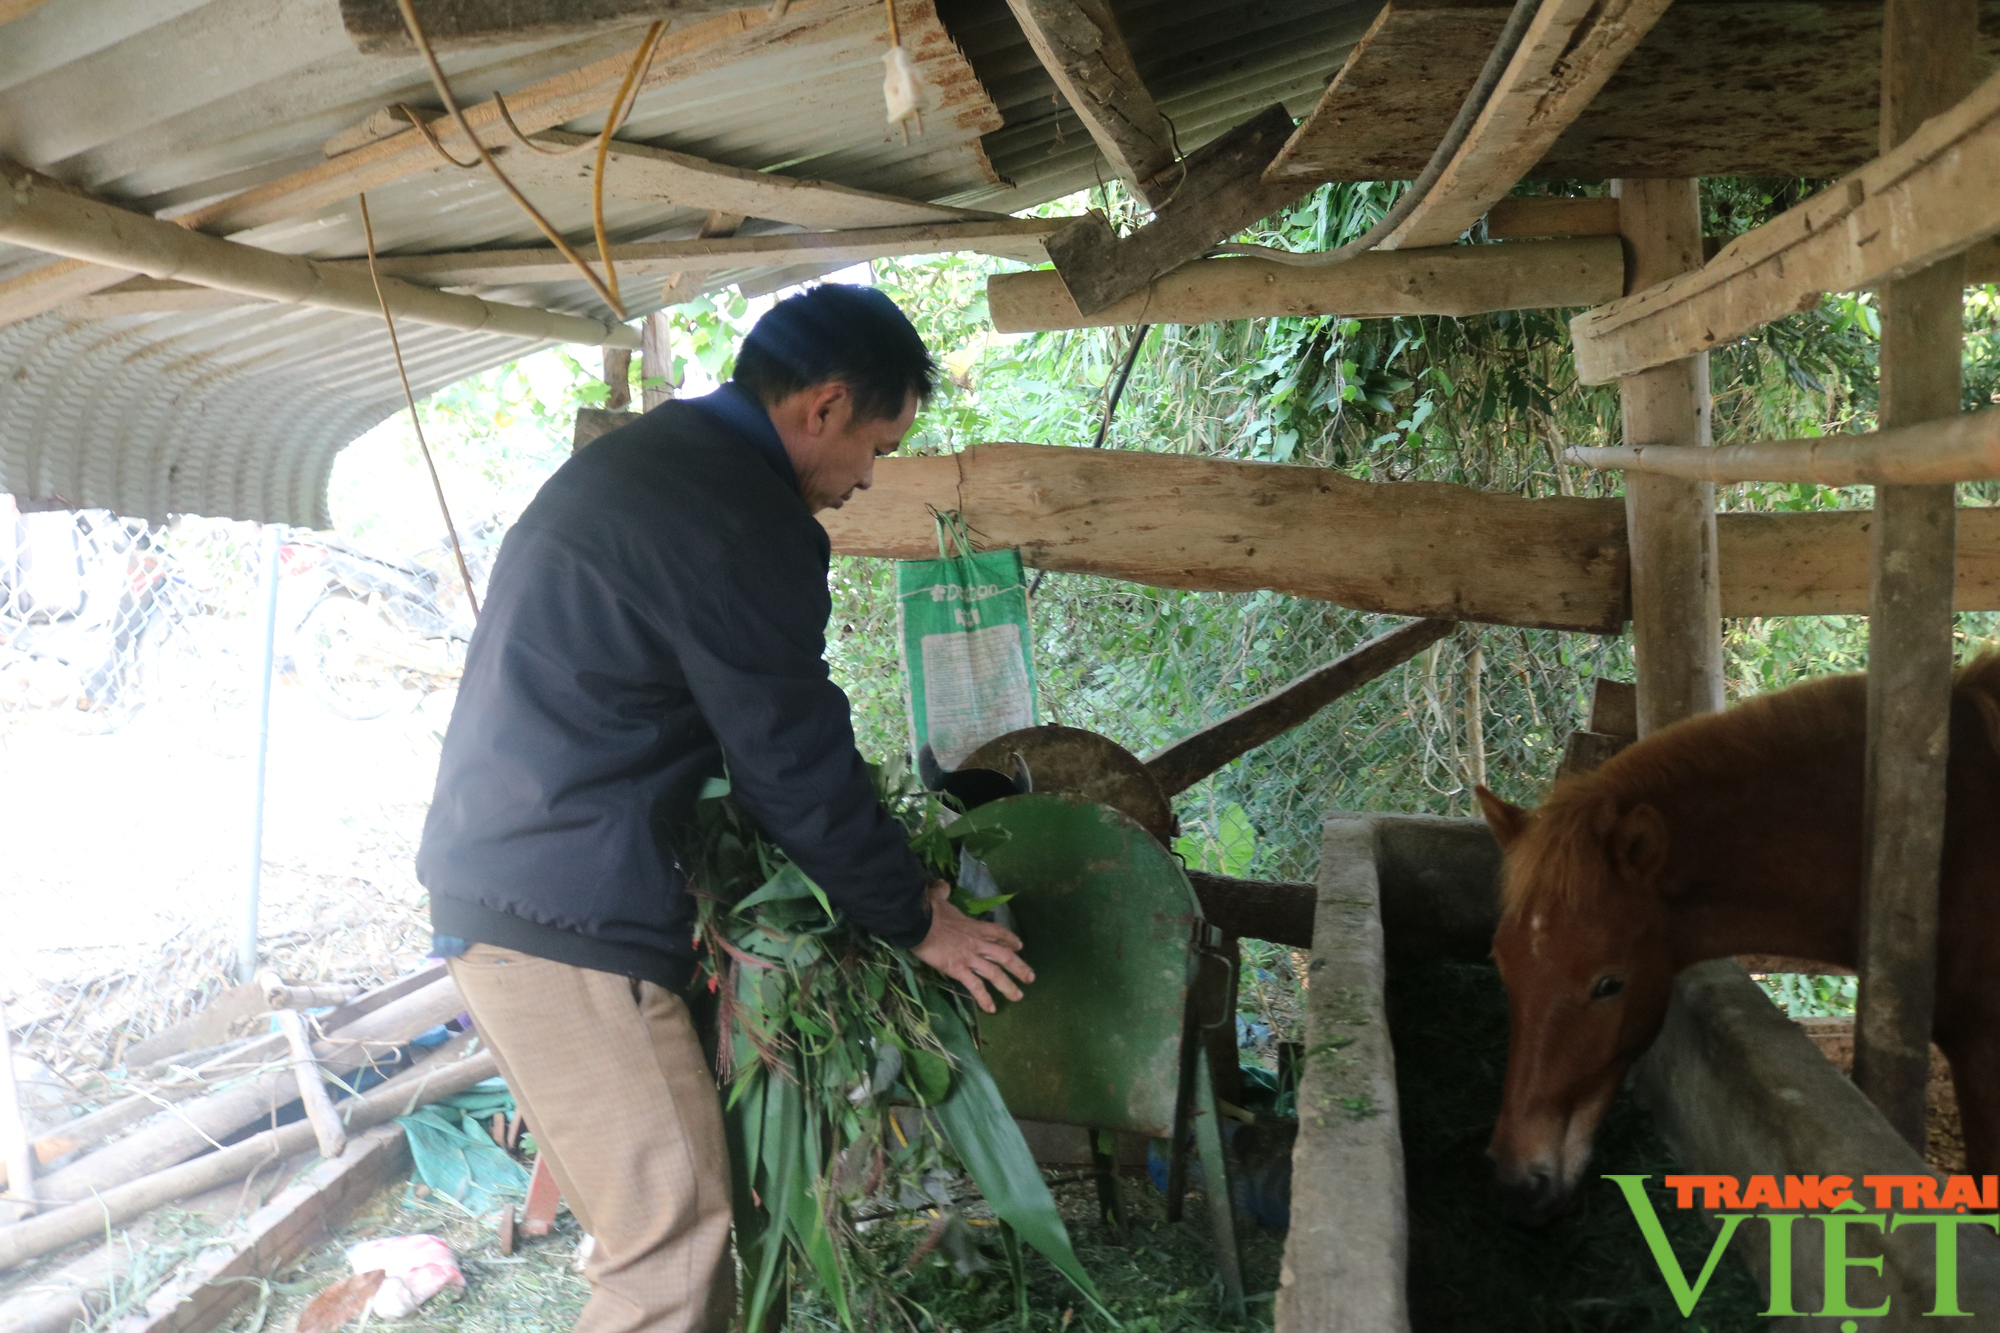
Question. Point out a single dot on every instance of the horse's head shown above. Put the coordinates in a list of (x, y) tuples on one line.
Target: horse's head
[(1583, 950)]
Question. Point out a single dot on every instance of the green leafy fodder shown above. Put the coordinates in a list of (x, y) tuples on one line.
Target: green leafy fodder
[(824, 1031)]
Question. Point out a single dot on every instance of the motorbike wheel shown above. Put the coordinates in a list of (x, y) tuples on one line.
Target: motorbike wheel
[(350, 657)]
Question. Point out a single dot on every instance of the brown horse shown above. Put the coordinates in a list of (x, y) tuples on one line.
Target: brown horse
[(1732, 833)]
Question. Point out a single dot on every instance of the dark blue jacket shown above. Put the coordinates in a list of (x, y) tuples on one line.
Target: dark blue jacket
[(659, 607)]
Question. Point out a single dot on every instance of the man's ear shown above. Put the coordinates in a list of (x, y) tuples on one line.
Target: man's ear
[(824, 402), (1639, 845), (1507, 821)]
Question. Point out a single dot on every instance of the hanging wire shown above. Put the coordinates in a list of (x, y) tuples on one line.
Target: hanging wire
[(620, 108), (443, 86), (1118, 388), (396, 346)]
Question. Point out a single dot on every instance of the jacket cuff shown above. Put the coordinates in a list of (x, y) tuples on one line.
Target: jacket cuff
[(912, 937)]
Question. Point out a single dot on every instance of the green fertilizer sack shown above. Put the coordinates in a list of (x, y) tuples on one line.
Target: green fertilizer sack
[(967, 656)]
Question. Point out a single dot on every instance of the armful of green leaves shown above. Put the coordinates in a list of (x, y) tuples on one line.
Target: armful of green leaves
[(824, 1031)]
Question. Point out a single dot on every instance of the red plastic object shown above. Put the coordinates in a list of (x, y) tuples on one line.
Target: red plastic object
[(538, 1214)]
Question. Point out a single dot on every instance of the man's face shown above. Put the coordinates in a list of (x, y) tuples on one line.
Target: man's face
[(833, 453)]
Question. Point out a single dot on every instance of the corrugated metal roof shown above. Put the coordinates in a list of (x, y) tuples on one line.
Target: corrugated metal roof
[(238, 411)]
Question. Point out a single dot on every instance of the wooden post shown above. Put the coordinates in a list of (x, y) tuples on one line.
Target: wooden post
[(1927, 64), (656, 362), (1676, 596)]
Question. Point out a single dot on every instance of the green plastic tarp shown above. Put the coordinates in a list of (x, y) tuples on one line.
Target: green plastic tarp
[(453, 1152)]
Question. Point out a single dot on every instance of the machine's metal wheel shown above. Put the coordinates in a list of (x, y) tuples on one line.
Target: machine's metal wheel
[(1069, 759)]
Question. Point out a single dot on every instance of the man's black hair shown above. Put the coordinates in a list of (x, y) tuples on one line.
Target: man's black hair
[(837, 332)]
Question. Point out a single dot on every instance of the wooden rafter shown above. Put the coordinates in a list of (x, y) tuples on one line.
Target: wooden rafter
[(1403, 548), (63, 222), (1444, 280), (1219, 190), (376, 26), (1930, 197), (1079, 43), (1570, 50), (658, 175)]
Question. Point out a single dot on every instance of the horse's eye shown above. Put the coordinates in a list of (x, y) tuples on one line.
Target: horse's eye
[(1606, 987)]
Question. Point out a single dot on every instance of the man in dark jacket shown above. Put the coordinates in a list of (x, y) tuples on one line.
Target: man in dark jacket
[(659, 611)]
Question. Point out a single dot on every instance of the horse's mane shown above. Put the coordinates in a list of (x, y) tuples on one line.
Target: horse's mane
[(1559, 860)]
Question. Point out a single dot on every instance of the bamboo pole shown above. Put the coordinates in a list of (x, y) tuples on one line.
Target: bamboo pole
[(36, 214), (1960, 447), (196, 1125), (312, 1084), (1676, 594), (1927, 65), (402, 1094)]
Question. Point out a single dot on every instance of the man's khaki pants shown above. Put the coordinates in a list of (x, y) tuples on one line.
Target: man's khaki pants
[(611, 1078)]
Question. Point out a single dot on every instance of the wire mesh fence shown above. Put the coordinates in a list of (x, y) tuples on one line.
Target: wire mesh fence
[(130, 660)]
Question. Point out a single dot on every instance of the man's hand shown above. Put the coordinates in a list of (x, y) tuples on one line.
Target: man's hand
[(966, 950)]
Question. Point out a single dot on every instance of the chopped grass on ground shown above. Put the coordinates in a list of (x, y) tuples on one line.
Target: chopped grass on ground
[(1473, 1271)]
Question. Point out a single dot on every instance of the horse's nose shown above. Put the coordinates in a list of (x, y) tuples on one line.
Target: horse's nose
[(1533, 1196)]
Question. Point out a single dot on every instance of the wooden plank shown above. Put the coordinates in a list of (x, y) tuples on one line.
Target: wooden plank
[(1193, 757), (658, 175), (1751, 88), (1346, 1255), (1220, 190), (1518, 219), (1411, 548), (310, 1212), (1571, 48), (1670, 522), (1400, 548), (376, 26), (1927, 64), (1010, 238), (1445, 280), (1929, 198), (1079, 43), (1393, 99)]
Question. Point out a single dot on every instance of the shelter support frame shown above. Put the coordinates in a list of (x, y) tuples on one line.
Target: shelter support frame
[(1670, 521), (1927, 65)]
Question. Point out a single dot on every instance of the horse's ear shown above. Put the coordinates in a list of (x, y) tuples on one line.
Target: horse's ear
[(1507, 821), (1639, 844)]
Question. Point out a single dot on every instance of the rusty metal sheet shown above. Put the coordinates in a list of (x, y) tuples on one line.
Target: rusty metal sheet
[(1083, 763)]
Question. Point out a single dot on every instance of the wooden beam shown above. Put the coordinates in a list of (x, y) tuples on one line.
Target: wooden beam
[(1219, 191), (573, 95), (1960, 447), (1400, 548), (1193, 757), (307, 1213), (1519, 219), (1079, 43), (68, 224), (376, 26), (1010, 238), (1279, 911), (1446, 280), (1670, 523), (154, 296), (660, 176), (1925, 200), (52, 285), (1417, 548), (1571, 48), (1929, 49)]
